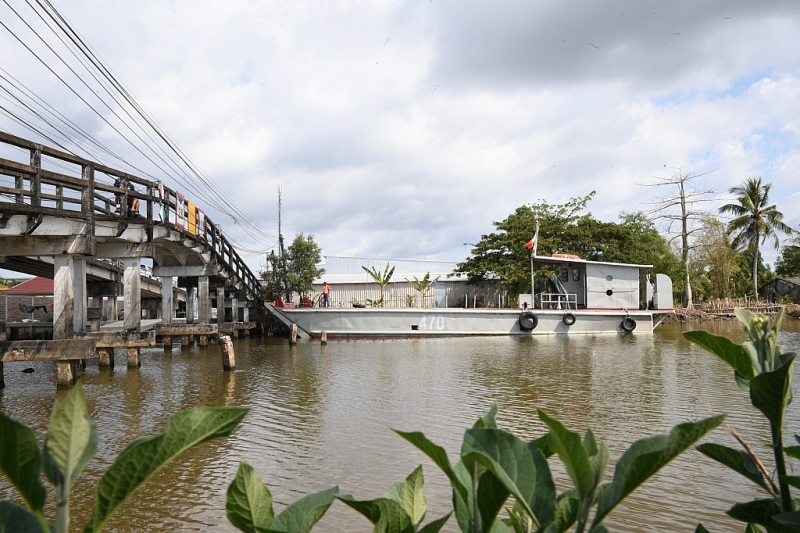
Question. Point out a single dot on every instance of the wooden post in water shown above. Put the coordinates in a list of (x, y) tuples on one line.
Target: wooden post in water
[(2, 377), (293, 338), (324, 339), (228, 357)]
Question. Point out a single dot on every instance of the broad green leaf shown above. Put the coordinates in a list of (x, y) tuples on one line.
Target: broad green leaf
[(735, 355), (570, 450), (599, 463), (71, 439), (760, 512), (436, 525), (301, 516), (769, 392), (413, 499), (599, 529), (590, 443), (438, 455), (647, 456), (737, 460), (21, 461), (792, 518), (752, 528), (387, 515), (543, 443), (792, 451), (15, 519), (462, 505), (519, 465), (145, 456), (794, 481), (492, 495), (567, 510), (248, 503), (395, 492), (700, 529), (487, 420)]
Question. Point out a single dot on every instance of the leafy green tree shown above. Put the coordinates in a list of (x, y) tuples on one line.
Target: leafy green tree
[(302, 258), (715, 263), (755, 221), (382, 279), (788, 263), (501, 258)]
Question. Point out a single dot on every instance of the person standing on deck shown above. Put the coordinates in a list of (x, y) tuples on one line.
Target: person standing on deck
[(326, 290)]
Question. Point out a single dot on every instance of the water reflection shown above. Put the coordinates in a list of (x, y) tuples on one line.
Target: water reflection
[(321, 416)]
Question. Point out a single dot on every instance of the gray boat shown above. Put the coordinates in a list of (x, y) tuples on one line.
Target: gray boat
[(582, 297)]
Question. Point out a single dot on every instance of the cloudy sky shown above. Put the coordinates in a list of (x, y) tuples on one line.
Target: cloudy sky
[(403, 129)]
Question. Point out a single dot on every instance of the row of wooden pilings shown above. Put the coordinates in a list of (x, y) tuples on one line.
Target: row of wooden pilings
[(293, 337)]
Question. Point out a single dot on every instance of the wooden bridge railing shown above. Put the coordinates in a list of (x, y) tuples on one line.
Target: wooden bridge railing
[(100, 193)]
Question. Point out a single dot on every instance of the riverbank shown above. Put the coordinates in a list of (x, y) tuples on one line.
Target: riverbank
[(698, 315)]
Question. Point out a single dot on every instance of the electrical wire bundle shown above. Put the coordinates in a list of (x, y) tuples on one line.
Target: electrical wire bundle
[(107, 98)]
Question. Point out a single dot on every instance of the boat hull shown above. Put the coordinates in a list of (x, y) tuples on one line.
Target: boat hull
[(346, 322)]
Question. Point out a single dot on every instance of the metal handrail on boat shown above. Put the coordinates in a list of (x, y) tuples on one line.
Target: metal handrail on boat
[(555, 300)]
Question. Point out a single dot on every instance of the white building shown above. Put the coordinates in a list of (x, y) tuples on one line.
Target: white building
[(351, 285)]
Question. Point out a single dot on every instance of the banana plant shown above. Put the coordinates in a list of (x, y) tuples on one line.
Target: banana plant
[(381, 278), (422, 285), (71, 442), (401, 509), (495, 464), (764, 371)]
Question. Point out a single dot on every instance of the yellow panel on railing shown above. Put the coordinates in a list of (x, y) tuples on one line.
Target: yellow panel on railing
[(192, 218)]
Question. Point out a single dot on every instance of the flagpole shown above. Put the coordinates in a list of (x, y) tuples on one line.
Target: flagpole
[(533, 254)]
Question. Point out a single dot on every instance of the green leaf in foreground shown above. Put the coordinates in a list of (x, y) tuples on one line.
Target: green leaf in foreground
[(735, 355), (71, 439), (737, 460), (413, 499), (387, 515), (144, 457), (572, 453), (21, 461), (770, 392), (15, 519), (438, 455), (248, 502), (436, 525), (647, 456), (760, 512), (301, 516)]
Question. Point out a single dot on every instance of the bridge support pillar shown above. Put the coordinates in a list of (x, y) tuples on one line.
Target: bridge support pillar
[(2, 376), (113, 308), (63, 298), (203, 300), (185, 342), (97, 303), (234, 309), (132, 295), (203, 340), (220, 306), (166, 300), (133, 357), (106, 357), (191, 305), (167, 340), (79, 291)]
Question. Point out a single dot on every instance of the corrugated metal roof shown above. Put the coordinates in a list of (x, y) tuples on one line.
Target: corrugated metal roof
[(33, 287), (336, 265)]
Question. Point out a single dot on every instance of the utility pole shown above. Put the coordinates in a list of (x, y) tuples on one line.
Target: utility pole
[(281, 251)]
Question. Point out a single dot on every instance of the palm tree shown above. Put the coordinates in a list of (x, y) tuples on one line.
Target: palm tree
[(755, 221)]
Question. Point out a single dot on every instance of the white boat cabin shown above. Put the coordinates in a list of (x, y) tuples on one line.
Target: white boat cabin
[(582, 284)]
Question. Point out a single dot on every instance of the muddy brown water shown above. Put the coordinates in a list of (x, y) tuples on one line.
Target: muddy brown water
[(321, 416)]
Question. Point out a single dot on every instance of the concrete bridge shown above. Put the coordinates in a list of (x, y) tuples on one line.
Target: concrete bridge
[(72, 220)]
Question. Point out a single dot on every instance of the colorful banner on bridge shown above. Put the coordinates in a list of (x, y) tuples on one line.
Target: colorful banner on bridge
[(201, 224), (162, 210), (180, 210)]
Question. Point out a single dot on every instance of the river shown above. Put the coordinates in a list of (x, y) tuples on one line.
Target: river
[(321, 416)]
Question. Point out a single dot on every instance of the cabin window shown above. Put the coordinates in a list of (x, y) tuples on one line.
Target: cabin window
[(609, 278), (609, 292), (576, 274), (564, 275)]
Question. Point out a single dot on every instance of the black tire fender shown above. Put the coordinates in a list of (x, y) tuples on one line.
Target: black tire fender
[(528, 321), (628, 324), (568, 319)]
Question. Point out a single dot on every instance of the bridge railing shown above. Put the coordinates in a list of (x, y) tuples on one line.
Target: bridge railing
[(93, 192)]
